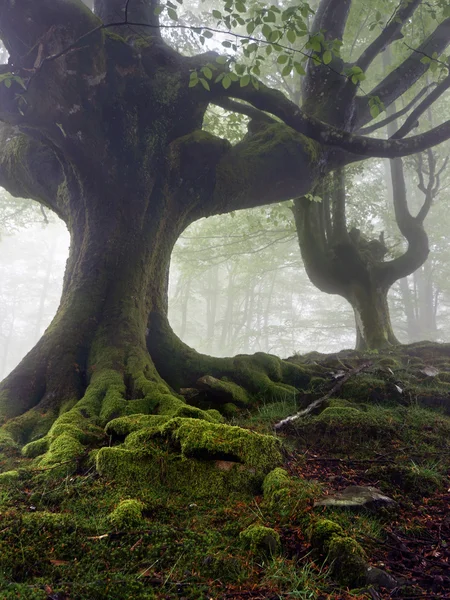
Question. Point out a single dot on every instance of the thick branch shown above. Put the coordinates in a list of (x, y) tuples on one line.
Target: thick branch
[(29, 169), (24, 23), (390, 33), (411, 229), (405, 75), (331, 18), (244, 109), (276, 103), (272, 163)]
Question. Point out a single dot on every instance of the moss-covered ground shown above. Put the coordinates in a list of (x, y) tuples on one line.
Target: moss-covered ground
[(185, 506)]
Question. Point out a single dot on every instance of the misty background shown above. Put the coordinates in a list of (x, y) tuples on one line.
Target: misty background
[(237, 282)]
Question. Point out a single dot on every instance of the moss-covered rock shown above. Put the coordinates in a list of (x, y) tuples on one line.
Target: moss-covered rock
[(127, 514), (276, 480), (348, 560), (260, 540), (321, 533)]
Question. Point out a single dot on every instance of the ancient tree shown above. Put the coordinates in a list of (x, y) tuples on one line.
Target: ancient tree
[(100, 125)]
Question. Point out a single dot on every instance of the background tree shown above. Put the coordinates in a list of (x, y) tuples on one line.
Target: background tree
[(342, 261)]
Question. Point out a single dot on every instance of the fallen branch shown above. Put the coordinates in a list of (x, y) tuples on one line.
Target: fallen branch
[(319, 401)]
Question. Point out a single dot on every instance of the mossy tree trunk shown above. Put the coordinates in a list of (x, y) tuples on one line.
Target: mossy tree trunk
[(109, 137)]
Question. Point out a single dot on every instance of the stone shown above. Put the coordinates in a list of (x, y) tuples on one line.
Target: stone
[(378, 577), (356, 496)]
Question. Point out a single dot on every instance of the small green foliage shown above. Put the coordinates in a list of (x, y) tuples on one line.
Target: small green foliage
[(260, 540)]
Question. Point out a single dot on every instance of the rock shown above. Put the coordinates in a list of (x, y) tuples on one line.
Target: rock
[(380, 578), (357, 496)]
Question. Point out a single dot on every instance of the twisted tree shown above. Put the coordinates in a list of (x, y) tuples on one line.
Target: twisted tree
[(100, 124), (344, 262)]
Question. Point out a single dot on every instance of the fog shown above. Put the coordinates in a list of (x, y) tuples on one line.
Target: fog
[(237, 285)]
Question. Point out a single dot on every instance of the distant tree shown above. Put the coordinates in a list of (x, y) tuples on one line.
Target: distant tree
[(344, 261)]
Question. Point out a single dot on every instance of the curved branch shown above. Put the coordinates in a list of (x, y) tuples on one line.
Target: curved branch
[(28, 169), (243, 109), (274, 102), (412, 120), (271, 164), (412, 230), (313, 246), (390, 33), (407, 73)]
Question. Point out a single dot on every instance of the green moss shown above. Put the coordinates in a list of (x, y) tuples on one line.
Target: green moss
[(36, 448), (123, 426), (31, 425), (274, 481), (9, 477), (127, 514), (160, 471), (199, 439), (64, 449), (260, 540), (415, 480), (348, 560), (322, 532)]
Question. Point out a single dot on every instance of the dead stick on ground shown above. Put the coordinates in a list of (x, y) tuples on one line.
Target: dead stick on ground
[(323, 399)]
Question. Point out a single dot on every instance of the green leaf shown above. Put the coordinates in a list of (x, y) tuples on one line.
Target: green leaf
[(256, 71), (250, 28), (327, 57), (270, 17), (172, 14), (374, 111), (287, 70), (226, 82), (207, 72), (216, 14), (193, 82), (207, 33), (291, 36), (299, 68), (205, 84), (244, 81), (282, 59), (240, 7), (221, 60), (266, 30)]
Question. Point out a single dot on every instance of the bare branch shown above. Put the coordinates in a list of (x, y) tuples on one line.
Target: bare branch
[(244, 109), (412, 120), (405, 75), (396, 115), (390, 33)]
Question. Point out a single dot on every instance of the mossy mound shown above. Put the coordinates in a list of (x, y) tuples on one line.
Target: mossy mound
[(260, 540), (127, 514)]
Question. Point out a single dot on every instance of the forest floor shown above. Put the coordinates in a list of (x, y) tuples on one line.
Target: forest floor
[(387, 426)]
